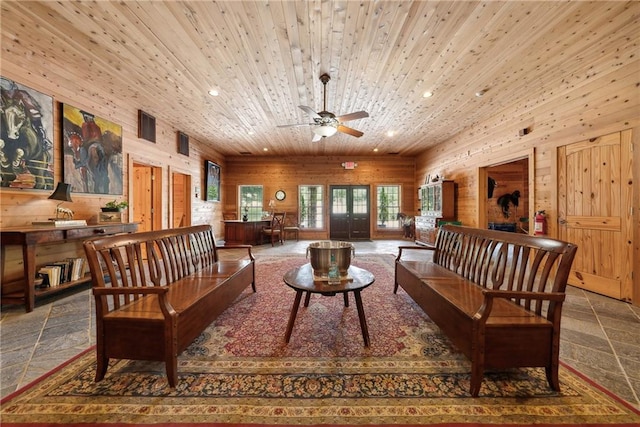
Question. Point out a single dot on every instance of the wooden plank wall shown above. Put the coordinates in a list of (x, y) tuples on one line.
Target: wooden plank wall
[(286, 173), (21, 207), (595, 103)]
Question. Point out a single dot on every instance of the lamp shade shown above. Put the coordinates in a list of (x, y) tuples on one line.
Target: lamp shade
[(324, 130), (62, 192)]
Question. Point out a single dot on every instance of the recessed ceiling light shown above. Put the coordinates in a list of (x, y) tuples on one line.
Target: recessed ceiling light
[(427, 94), (375, 150), (265, 149), (251, 132), (391, 133), (214, 92), (480, 93)]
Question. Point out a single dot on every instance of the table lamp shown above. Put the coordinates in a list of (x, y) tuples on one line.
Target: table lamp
[(64, 216), (62, 193)]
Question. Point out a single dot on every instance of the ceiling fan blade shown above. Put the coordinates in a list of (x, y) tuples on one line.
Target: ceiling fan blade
[(353, 116), (295, 125), (309, 111), (350, 131), (316, 138)]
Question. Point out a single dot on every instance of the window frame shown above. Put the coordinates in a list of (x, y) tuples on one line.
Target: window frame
[(392, 222), (321, 216), (255, 213)]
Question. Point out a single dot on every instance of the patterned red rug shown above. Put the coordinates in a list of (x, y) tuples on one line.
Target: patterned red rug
[(240, 371)]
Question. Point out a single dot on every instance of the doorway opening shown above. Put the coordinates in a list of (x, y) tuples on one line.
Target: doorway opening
[(349, 212), (504, 196)]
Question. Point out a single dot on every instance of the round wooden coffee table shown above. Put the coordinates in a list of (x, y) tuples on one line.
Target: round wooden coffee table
[(301, 279)]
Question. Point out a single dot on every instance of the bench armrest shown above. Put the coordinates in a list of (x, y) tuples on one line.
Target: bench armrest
[(420, 248), (167, 309), (247, 247), (489, 294)]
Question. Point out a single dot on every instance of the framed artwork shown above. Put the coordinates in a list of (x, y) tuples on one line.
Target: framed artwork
[(92, 152), (212, 192), (26, 132)]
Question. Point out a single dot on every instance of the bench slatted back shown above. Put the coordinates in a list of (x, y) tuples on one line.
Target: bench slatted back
[(506, 261), (151, 258)]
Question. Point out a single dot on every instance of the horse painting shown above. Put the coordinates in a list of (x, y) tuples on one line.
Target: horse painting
[(92, 156), (25, 150)]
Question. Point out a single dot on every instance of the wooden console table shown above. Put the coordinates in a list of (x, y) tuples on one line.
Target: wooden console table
[(238, 232), (30, 237)]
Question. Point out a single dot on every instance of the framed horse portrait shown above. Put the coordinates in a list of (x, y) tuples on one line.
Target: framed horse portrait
[(212, 193), (92, 152), (26, 135)]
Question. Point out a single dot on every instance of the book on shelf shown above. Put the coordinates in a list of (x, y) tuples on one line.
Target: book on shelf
[(52, 275), (59, 271), (60, 223), (65, 270), (77, 268)]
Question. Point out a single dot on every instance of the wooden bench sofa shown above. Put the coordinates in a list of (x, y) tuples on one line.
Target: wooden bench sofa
[(497, 296), (156, 291)]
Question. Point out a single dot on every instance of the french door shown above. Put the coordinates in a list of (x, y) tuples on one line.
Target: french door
[(349, 212)]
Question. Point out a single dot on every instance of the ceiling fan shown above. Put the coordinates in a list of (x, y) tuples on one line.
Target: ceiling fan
[(326, 123)]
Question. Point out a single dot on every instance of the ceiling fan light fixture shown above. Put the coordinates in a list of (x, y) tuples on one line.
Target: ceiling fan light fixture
[(324, 130)]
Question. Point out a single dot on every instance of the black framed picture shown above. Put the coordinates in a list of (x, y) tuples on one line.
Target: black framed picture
[(212, 192)]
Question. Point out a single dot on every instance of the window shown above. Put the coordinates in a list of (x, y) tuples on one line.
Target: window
[(251, 201), (311, 206), (388, 199)]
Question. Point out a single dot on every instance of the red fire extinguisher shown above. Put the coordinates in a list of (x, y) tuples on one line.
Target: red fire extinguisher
[(540, 226)]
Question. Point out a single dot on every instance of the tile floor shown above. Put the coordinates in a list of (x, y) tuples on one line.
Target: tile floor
[(600, 336)]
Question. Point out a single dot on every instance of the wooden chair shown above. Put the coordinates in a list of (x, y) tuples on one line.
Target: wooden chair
[(275, 231), (229, 216), (291, 226)]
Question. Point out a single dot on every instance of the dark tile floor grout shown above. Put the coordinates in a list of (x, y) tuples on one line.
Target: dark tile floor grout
[(600, 336)]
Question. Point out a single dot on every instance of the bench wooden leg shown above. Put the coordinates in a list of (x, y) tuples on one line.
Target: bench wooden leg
[(476, 380), (172, 371), (102, 363), (477, 359), (552, 377), (171, 351)]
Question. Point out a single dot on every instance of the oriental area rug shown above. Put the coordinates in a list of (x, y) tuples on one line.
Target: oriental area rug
[(240, 371)]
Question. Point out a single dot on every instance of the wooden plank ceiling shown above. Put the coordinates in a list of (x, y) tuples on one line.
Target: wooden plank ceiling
[(265, 58)]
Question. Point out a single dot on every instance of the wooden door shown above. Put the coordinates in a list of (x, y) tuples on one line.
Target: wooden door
[(147, 201), (181, 200), (349, 212), (594, 212)]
